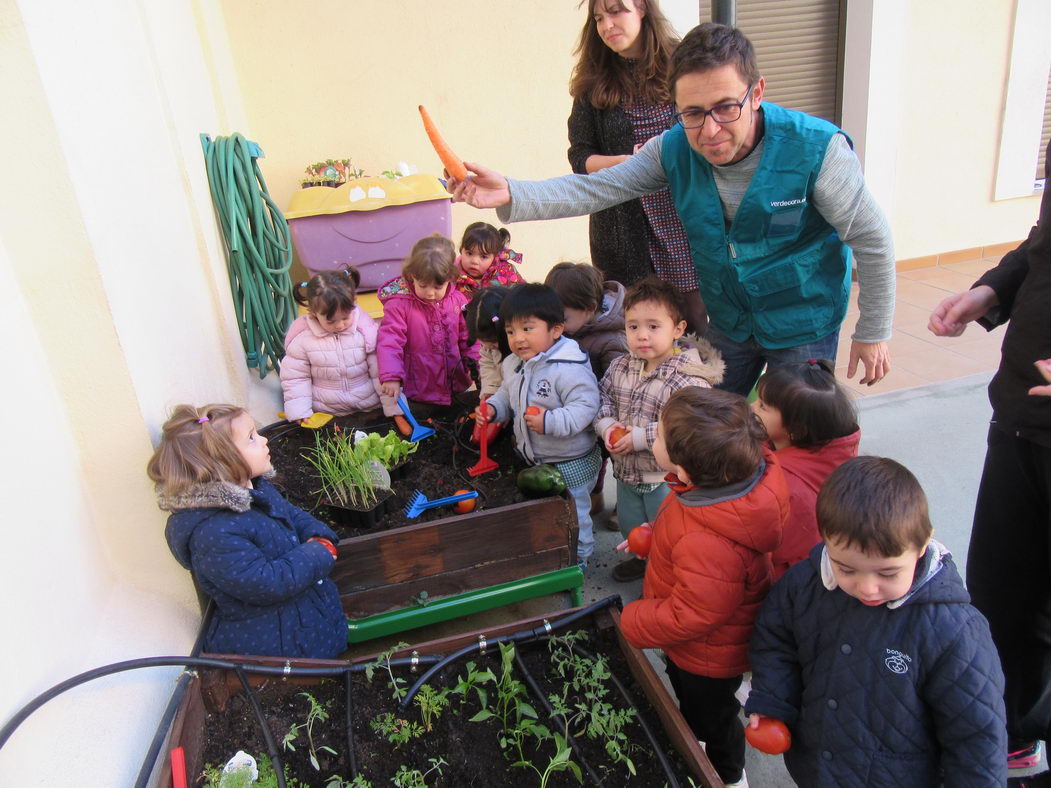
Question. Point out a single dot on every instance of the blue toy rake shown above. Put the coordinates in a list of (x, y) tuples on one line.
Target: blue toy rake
[(418, 504), (419, 432)]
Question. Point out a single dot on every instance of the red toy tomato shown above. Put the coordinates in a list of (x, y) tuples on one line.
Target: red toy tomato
[(463, 507), (532, 410), (772, 736), (616, 434), (640, 539)]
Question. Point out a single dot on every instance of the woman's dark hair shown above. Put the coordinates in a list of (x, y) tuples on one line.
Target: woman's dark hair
[(482, 316), (485, 238), (579, 285), (328, 292), (532, 300), (709, 46), (608, 80), (815, 409)]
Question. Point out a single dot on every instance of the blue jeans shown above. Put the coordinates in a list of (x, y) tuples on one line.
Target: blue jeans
[(585, 530), (745, 360)]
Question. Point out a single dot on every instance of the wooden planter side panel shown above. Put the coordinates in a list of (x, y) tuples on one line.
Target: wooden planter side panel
[(383, 571)]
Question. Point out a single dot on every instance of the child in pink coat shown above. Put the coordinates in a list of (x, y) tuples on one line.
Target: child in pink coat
[(330, 354), (485, 259), (423, 346), (813, 424)]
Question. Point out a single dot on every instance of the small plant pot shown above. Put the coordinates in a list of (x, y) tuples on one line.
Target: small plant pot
[(351, 517)]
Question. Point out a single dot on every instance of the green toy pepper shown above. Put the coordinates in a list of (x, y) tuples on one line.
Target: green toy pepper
[(541, 480)]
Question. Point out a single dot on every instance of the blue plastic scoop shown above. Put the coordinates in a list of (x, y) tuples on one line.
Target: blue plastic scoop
[(419, 432), (418, 504)]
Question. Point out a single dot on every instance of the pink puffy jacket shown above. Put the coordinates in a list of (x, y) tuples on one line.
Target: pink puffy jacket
[(331, 373), (423, 344)]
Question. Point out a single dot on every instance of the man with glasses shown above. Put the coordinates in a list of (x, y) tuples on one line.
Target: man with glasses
[(773, 202)]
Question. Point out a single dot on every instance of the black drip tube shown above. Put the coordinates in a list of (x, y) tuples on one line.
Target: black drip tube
[(673, 781), (538, 693), (268, 736), (523, 636)]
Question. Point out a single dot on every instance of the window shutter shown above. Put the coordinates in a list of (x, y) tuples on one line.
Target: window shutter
[(799, 47), (1045, 135)]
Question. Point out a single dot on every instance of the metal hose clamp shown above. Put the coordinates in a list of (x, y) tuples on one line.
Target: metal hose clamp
[(481, 644), (548, 628), (287, 671), (415, 661)]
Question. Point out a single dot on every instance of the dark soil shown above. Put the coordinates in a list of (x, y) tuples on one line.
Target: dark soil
[(471, 749), (438, 468)]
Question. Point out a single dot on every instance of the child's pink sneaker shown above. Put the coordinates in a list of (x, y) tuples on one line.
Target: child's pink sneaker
[(1023, 755)]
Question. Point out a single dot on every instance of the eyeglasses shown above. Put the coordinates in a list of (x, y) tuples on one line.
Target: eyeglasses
[(721, 113)]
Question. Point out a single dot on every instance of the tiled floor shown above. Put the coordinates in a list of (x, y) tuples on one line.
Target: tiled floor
[(917, 356)]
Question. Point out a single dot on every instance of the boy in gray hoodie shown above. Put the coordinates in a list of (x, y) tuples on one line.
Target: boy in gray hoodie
[(551, 395)]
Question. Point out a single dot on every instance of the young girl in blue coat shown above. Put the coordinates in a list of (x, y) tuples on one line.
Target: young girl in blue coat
[(262, 560)]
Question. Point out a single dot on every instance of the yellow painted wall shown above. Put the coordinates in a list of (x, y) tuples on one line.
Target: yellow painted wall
[(332, 79), (948, 117)]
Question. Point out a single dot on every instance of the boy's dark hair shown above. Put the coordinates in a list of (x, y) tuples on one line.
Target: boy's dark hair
[(713, 435), (482, 316), (328, 292), (659, 292), (485, 238), (579, 285), (876, 505), (532, 300), (431, 261), (815, 409), (710, 46)]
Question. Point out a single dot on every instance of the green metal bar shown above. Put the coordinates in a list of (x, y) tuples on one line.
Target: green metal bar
[(569, 579)]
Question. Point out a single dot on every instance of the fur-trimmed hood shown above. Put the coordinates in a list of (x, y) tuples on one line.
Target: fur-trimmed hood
[(211, 495), (699, 359)]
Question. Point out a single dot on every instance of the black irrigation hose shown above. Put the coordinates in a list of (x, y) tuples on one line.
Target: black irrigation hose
[(23, 713), (539, 695), (268, 736), (673, 781), (517, 637), (351, 758)]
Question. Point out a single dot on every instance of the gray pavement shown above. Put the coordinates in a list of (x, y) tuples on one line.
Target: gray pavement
[(937, 431)]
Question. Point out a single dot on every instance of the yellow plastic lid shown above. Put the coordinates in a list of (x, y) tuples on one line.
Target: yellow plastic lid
[(365, 194)]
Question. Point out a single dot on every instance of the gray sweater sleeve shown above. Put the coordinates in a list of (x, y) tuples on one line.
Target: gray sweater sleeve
[(580, 195), (841, 197)]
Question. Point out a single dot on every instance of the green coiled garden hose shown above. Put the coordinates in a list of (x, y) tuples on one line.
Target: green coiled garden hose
[(258, 249)]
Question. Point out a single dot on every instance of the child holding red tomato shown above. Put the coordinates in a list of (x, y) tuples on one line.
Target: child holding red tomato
[(633, 391), (870, 652), (709, 565)]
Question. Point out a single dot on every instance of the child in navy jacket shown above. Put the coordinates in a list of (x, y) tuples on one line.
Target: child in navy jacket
[(262, 560), (870, 651)]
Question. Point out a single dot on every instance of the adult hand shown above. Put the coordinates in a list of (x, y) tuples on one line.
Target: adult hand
[(952, 315), (485, 189), (1044, 368), (874, 357), (392, 388)]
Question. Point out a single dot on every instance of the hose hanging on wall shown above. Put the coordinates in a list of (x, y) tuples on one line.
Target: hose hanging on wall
[(258, 248)]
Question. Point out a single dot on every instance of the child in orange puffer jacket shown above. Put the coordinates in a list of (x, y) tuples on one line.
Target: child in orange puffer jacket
[(709, 564)]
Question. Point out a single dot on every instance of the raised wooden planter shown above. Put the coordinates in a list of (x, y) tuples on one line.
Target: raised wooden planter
[(457, 556), (210, 690)]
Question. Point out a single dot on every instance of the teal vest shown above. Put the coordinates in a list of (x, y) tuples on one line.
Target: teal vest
[(780, 274)]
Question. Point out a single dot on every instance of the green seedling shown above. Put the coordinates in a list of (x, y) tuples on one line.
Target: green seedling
[(213, 776), (383, 661), (431, 702), (473, 683), (559, 762), (414, 778), (394, 730), (317, 713)]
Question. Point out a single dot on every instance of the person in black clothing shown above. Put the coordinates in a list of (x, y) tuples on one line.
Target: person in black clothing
[(1009, 559)]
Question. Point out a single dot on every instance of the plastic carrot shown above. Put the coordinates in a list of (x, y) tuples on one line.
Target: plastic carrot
[(452, 162)]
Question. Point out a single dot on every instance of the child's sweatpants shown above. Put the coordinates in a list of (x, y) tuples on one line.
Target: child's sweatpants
[(580, 476), (638, 504), (710, 708)]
